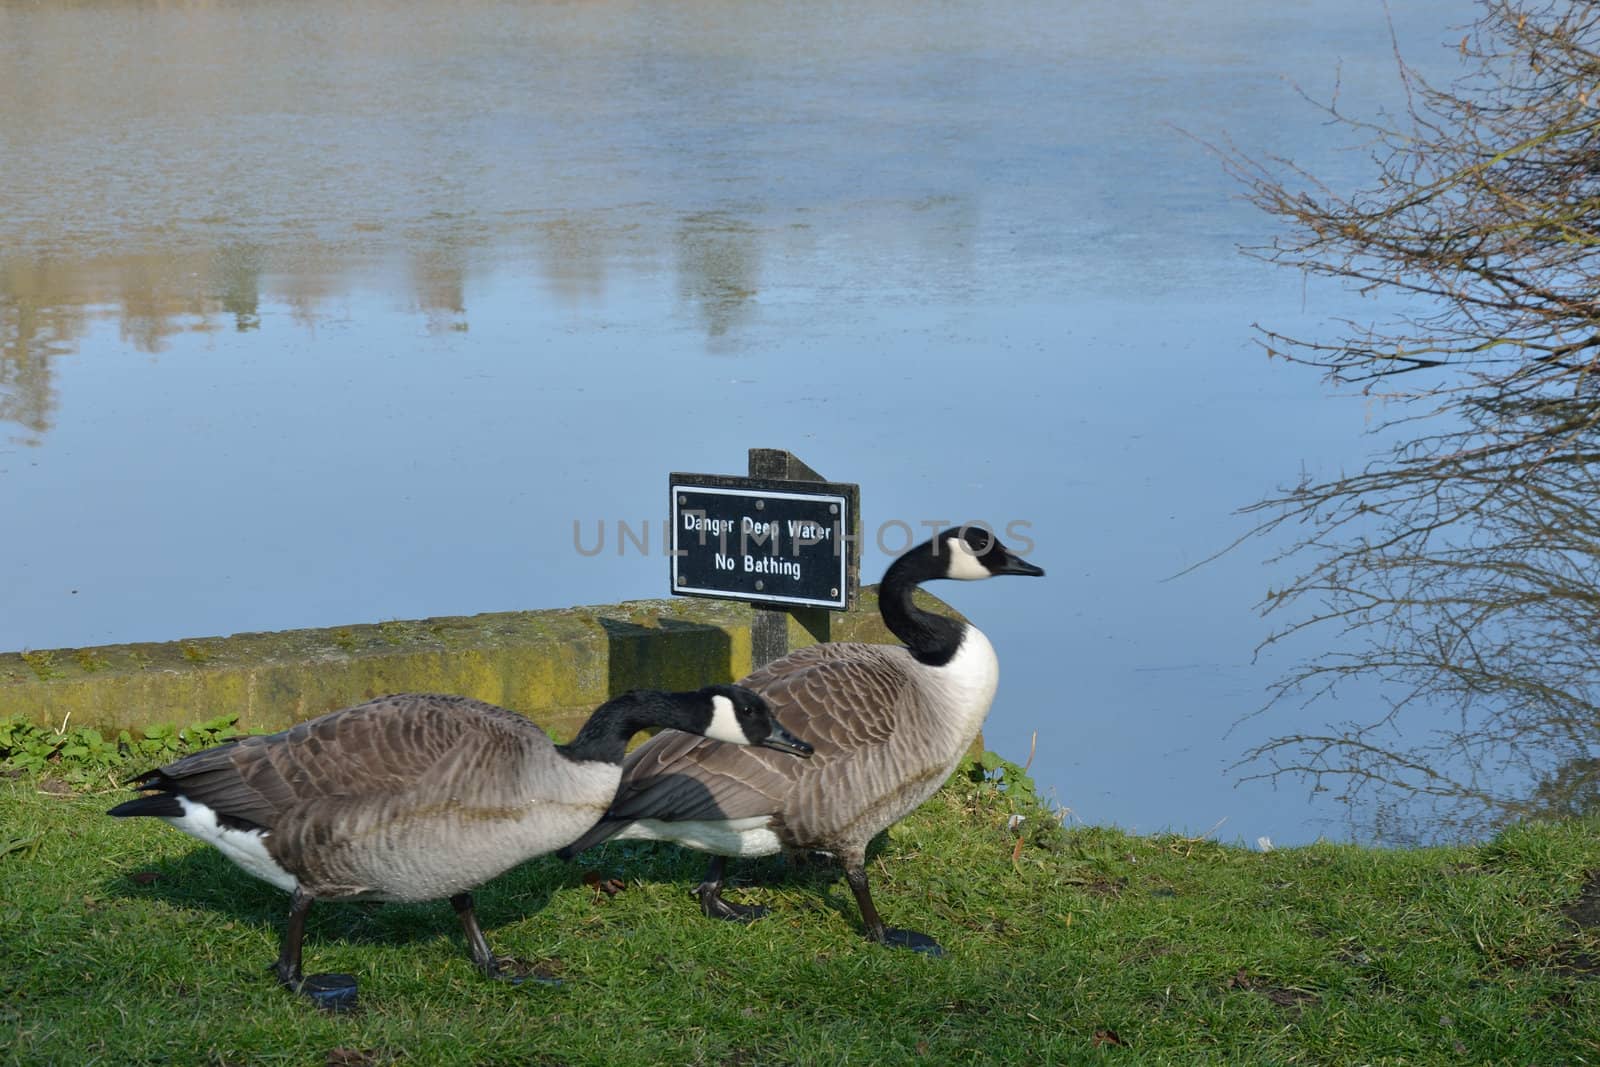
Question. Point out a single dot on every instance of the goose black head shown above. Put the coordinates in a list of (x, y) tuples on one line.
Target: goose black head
[(973, 552), (741, 717)]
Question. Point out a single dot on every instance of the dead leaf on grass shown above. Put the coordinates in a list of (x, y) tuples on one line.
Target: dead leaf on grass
[(609, 886), (351, 1057)]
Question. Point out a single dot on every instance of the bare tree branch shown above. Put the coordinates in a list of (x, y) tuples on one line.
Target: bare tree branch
[(1462, 570)]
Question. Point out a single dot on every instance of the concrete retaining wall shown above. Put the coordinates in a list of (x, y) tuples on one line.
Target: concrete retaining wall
[(554, 666)]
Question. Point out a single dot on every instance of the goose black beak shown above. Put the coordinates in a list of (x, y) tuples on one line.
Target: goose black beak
[(784, 741), (1018, 565)]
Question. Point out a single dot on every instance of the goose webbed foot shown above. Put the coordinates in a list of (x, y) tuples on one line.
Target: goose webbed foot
[(333, 993), (712, 904), (515, 971), (507, 969), (855, 873), (910, 939), (329, 992)]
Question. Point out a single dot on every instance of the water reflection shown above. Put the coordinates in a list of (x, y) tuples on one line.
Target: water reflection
[(48, 305), (715, 260), (960, 251), (239, 274), (157, 172), (572, 254), (719, 266), (438, 281), (37, 325)]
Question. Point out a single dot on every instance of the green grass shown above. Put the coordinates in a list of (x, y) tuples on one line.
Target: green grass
[(1094, 946)]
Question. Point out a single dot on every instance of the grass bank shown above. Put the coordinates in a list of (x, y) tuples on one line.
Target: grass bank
[(125, 942)]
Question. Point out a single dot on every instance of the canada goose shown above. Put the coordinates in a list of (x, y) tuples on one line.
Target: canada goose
[(889, 725), (419, 797)]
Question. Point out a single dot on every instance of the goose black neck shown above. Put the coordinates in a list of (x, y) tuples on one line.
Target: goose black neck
[(604, 738), (932, 639)]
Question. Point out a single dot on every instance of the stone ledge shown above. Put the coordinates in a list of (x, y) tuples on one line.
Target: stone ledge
[(554, 666)]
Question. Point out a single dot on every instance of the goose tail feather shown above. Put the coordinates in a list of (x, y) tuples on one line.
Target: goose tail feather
[(161, 804)]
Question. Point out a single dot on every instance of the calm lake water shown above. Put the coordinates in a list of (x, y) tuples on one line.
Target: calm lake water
[(320, 314)]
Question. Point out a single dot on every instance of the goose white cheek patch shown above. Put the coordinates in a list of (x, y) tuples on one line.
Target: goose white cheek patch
[(963, 562), (724, 724)]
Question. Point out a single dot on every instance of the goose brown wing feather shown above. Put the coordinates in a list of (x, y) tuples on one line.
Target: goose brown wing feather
[(682, 779), (842, 698), (384, 745)]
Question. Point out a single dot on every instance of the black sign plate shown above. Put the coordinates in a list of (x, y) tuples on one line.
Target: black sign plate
[(779, 542)]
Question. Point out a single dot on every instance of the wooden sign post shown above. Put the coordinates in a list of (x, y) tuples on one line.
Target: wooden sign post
[(769, 627), (782, 539)]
